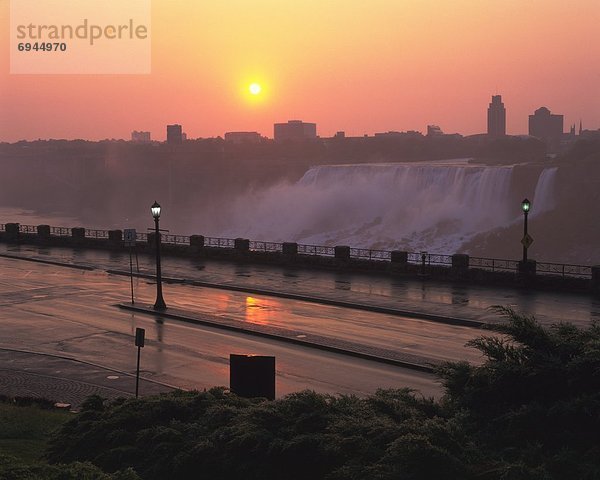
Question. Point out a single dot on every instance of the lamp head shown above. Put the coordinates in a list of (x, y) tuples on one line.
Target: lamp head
[(525, 205), (155, 209)]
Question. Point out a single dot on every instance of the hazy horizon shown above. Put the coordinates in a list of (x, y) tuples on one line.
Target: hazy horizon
[(361, 68)]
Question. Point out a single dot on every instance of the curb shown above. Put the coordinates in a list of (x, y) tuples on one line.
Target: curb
[(48, 262), (97, 365), (320, 300), (189, 317), (461, 322)]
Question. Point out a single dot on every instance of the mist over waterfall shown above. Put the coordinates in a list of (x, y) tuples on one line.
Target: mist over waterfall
[(434, 206)]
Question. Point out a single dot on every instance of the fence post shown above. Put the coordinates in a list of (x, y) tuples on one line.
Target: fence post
[(115, 238), (197, 241), (241, 244), (399, 260), (77, 235), (11, 232), (460, 264), (596, 279), (527, 268), (289, 248), (342, 252), (151, 240), (43, 232)]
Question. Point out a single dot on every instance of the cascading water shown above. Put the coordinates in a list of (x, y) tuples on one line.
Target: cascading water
[(544, 196), (415, 206)]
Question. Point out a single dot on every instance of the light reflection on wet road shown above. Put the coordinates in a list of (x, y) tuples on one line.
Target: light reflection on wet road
[(54, 309), (462, 301)]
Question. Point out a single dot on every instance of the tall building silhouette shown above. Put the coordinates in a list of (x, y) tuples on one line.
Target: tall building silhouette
[(174, 134), (546, 126), (496, 125)]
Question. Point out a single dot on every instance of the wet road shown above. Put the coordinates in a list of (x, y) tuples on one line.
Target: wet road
[(461, 301), (52, 309), (61, 310)]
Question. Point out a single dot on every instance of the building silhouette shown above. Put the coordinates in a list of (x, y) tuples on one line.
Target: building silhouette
[(174, 134), (140, 137), (243, 137), (294, 130), (547, 127), (434, 131), (496, 118)]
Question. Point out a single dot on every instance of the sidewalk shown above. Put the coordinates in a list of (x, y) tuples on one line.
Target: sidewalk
[(65, 380), (424, 299)]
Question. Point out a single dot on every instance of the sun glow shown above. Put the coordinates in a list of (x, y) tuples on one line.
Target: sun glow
[(254, 88)]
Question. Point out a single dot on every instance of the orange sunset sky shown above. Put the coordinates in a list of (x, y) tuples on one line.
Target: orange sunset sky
[(353, 65)]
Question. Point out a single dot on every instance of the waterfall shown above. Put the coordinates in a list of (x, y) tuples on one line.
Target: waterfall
[(544, 196), (435, 206)]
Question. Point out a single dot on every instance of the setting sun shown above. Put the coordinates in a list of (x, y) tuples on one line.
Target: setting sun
[(254, 88)]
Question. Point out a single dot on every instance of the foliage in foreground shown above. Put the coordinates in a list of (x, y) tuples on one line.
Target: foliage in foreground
[(25, 425), (531, 411), (13, 469)]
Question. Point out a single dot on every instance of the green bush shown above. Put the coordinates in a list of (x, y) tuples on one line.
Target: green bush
[(530, 411), (13, 469)]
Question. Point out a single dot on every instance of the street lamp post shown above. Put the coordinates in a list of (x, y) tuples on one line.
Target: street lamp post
[(525, 206), (160, 302)]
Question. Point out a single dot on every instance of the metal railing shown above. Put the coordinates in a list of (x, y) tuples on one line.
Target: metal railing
[(175, 239), (317, 250), (63, 231), (27, 228), (365, 254), (92, 233), (259, 246), (219, 242), (564, 269), (492, 264)]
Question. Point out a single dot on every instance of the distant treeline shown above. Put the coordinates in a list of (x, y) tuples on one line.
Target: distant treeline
[(311, 152)]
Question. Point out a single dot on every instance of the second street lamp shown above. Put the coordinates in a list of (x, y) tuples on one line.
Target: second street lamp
[(160, 302), (525, 206)]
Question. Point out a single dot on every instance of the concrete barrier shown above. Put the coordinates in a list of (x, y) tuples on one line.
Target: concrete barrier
[(115, 237), (342, 252), (197, 241), (289, 248), (43, 232), (78, 233), (78, 236), (151, 240), (241, 244), (399, 257), (12, 232), (596, 279), (527, 268), (460, 264)]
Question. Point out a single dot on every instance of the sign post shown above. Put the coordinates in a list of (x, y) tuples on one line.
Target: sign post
[(140, 333), (526, 241)]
